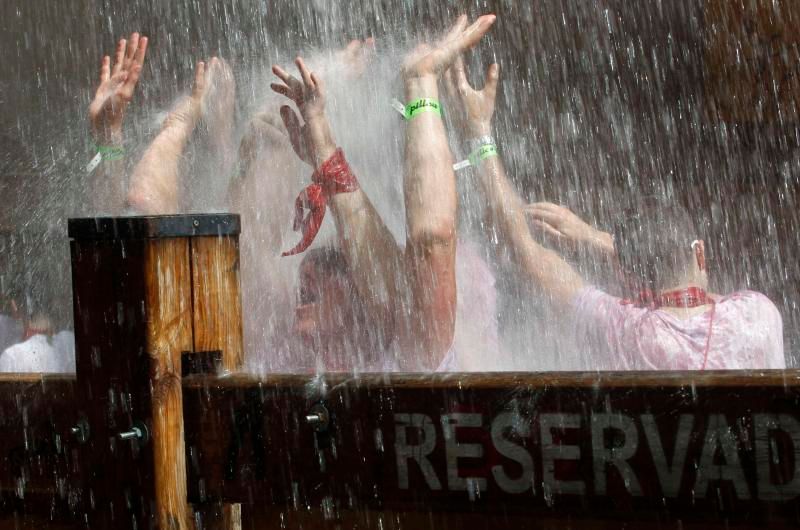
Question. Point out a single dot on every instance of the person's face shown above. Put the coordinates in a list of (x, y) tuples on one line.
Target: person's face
[(324, 316)]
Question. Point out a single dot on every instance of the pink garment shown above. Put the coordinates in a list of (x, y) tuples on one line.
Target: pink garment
[(746, 333), (476, 345)]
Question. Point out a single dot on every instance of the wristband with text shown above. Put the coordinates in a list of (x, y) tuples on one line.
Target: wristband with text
[(481, 153), (417, 107), (108, 153)]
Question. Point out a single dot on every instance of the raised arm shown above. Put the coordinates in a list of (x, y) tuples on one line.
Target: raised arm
[(156, 180), (543, 267), (369, 248), (106, 116), (431, 200)]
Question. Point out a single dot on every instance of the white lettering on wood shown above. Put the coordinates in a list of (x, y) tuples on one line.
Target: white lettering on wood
[(418, 452)]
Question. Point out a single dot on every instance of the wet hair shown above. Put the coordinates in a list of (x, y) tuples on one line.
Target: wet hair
[(653, 241), (327, 260)]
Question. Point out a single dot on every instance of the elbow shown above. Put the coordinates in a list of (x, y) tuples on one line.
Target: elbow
[(142, 202), (434, 235)]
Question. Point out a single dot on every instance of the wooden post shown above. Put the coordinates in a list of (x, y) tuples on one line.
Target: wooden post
[(146, 290)]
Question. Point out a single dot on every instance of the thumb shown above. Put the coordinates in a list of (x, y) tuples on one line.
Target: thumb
[(295, 130), (492, 77)]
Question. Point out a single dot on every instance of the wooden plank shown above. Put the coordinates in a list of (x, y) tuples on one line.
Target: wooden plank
[(39, 471), (505, 446), (217, 316), (217, 305), (114, 386), (675, 379), (169, 332)]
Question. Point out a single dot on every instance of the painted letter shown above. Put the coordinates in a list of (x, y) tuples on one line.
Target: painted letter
[(512, 451), (719, 434), (456, 450), (669, 476), (766, 452), (616, 456), (418, 452), (551, 453)]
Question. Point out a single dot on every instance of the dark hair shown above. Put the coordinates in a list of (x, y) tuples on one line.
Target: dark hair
[(653, 241), (327, 259)]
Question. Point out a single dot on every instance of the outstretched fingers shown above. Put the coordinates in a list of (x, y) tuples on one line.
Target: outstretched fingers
[(199, 78), (305, 73), (472, 35), (547, 229), (456, 30), (295, 130), (130, 50), (105, 69), (141, 51), (492, 77), (460, 75), (136, 67), (119, 56)]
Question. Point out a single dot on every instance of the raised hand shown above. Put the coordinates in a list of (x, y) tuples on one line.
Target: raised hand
[(264, 129), (477, 106), (566, 227), (431, 60), (116, 88), (355, 57), (312, 141)]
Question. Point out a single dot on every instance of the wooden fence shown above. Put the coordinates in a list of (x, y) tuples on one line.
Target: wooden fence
[(154, 431)]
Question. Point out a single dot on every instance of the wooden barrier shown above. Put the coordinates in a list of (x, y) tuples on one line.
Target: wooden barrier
[(506, 450), (150, 434), (146, 291)]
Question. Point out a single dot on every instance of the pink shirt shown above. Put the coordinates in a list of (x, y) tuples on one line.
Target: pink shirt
[(746, 333)]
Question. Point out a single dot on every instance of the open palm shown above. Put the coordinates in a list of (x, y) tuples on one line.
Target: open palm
[(117, 86)]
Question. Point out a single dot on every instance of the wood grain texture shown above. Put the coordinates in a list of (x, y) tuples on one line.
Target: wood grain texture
[(169, 332), (759, 378), (217, 317), (251, 443), (217, 310)]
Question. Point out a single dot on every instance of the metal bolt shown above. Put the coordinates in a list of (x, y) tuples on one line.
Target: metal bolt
[(318, 417), (133, 434), (138, 431), (80, 431)]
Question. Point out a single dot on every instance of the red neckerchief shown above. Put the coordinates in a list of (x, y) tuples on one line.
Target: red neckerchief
[(686, 298), (332, 177)]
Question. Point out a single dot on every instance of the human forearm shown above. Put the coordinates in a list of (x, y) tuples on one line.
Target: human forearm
[(430, 188), (155, 181), (107, 181), (542, 266), (431, 204)]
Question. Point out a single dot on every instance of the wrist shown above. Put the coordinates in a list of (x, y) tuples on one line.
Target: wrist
[(421, 87), (321, 139), (477, 128), (110, 136), (602, 241)]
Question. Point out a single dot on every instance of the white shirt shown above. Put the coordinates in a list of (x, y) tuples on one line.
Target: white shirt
[(41, 354), (10, 331), (746, 332)]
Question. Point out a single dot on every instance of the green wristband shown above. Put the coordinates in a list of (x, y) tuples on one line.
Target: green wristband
[(482, 153), (111, 152), (418, 106)]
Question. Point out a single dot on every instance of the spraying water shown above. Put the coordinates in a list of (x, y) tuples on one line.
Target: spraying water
[(598, 104)]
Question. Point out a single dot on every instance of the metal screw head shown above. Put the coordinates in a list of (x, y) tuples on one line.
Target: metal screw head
[(318, 417), (81, 431), (138, 432)]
